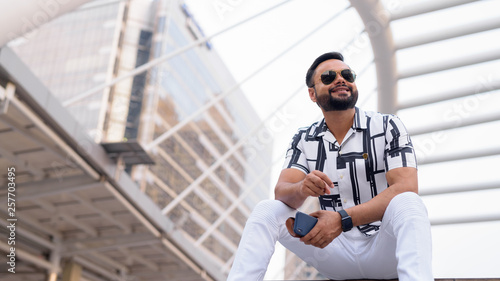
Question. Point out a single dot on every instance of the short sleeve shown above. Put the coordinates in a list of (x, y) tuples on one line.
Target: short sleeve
[(399, 151), (295, 157)]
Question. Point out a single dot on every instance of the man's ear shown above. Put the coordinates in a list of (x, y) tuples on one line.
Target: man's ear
[(312, 94)]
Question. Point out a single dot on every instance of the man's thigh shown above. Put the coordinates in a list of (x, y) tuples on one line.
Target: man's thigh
[(346, 259), (335, 261)]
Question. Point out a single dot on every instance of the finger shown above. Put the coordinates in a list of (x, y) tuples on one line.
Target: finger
[(324, 177), (315, 186), (311, 237), (309, 186), (319, 187), (289, 226), (311, 240), (316, 240), (327, 189)]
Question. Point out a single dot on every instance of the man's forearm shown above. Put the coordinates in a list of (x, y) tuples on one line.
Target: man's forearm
[(400, 180), (372, 210), (289, 193)]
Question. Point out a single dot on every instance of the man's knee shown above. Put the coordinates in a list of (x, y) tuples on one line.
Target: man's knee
[(269, 211), (407, 204), (408, 198)]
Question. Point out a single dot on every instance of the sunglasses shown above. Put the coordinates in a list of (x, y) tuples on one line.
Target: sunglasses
[(329, 76)]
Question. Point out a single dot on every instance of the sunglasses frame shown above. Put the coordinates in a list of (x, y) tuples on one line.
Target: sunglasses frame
[(328, 73)]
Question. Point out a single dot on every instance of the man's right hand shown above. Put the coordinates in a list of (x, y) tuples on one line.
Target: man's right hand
[(294, 186), (316, 183)]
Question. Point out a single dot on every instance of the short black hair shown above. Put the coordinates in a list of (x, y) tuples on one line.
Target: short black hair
[(317, 61)]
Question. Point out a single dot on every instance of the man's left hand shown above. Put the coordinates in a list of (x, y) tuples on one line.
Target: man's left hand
[(326, 229)]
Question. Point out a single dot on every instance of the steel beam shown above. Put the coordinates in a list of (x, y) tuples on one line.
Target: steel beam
[(97, 269), (464, 122), (103, 213), (128, 205), (53, 136), (140, 259), (483, 87), (28, 221), (27, 256), (420, 7), (21, 164), (456, 31), (45, 189), (438, 190), (377, 25), (115, 239), (450, 64), (227, 211), (71, 220), (84, 249), (29, 235), (464, 155), (493, 217)]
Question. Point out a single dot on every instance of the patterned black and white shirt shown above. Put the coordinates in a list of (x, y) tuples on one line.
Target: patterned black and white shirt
[(375, 144)]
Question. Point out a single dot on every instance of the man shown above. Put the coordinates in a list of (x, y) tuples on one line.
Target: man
[(361, 165)]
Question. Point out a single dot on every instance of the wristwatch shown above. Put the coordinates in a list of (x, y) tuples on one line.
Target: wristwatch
[(346, 221)]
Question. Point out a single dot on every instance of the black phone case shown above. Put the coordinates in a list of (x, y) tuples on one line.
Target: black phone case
[(303, 223)]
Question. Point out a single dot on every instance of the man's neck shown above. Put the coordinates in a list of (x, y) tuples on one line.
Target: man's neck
[(339, 122)]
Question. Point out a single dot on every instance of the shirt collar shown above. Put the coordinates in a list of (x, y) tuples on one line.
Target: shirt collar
[(360, 120), (320, 128), (359, 123)]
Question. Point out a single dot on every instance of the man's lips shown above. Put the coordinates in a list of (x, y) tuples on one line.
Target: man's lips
[(340, 90)]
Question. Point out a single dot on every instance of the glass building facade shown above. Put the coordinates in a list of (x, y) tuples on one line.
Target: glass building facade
[(186, 110)]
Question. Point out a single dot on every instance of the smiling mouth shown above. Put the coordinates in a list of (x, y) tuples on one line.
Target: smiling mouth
[(340, 90)]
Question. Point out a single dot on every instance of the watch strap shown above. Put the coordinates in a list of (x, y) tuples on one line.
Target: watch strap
[(346, 220)]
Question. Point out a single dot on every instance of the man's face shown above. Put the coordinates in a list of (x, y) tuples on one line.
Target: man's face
[(339, 94)]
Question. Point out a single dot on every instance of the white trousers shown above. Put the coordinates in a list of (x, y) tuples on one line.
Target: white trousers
[(401, 249)]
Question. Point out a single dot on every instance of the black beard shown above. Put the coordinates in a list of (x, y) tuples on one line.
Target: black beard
[(329, 103)]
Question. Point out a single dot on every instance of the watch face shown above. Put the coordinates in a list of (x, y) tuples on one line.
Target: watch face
[(346, 221)]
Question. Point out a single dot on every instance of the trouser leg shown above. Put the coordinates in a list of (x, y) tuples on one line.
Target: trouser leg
[(258, 241), (266, 226), (405, 234), (406, 217), (336, 261)]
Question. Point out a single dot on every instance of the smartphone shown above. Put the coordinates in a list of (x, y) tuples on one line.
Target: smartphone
[(303, 223)]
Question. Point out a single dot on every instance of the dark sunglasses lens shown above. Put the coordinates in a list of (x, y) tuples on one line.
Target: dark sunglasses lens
[(348, 75), (328, 77)]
